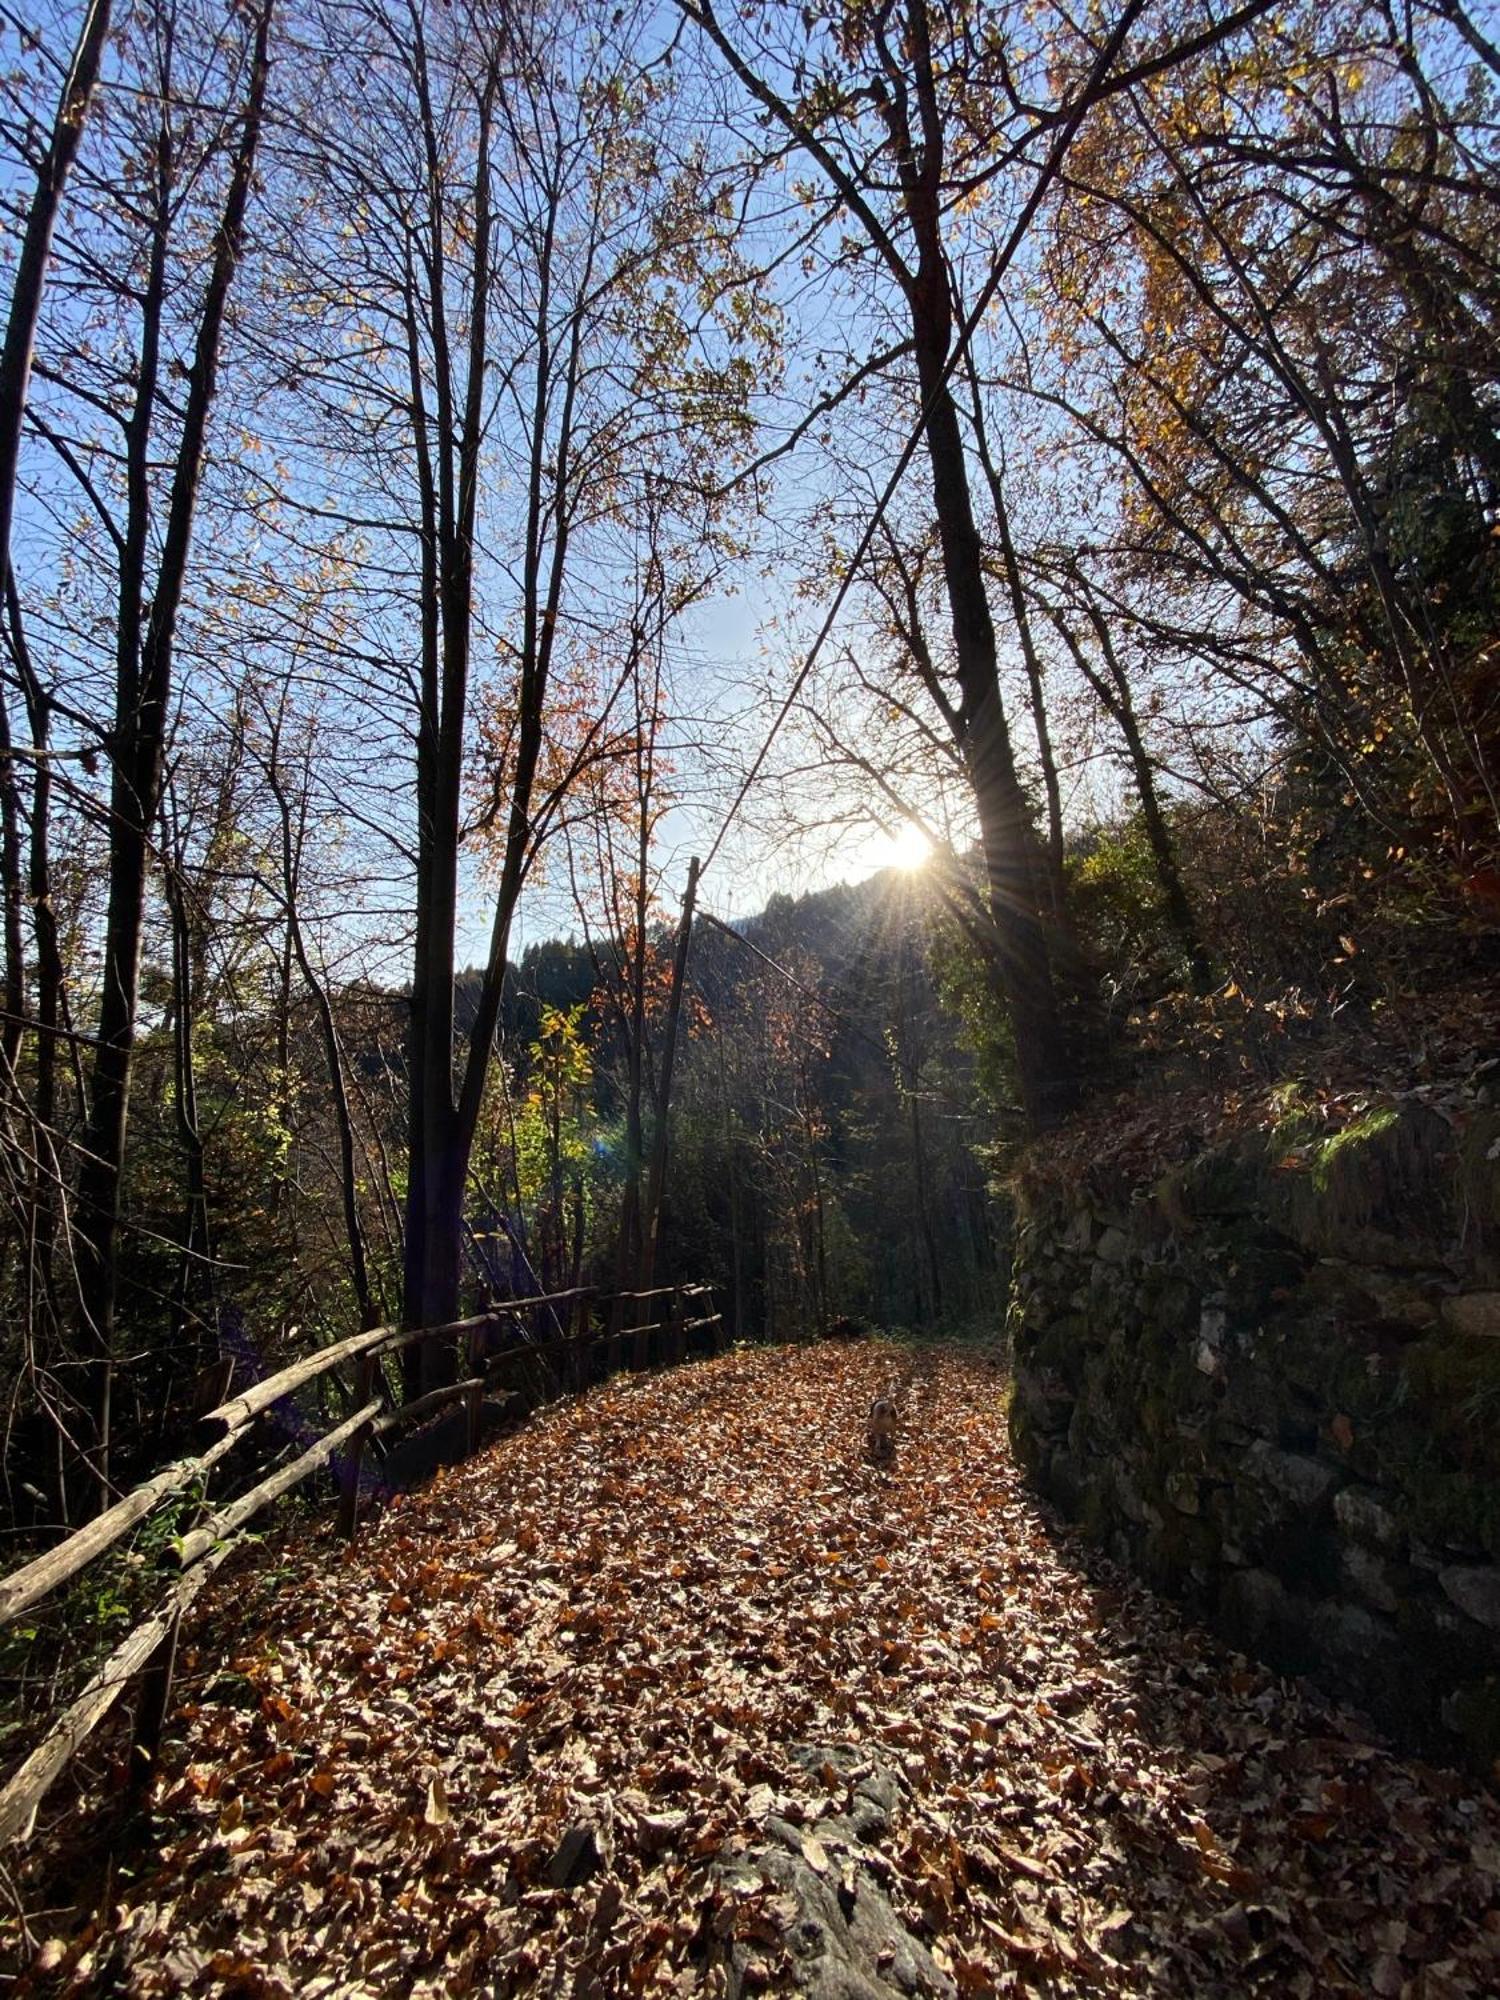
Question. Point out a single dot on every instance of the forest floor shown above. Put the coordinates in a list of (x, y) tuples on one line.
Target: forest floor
[(539, 1729)]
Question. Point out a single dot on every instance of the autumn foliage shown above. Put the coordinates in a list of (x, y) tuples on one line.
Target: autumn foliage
[(519, 1734)]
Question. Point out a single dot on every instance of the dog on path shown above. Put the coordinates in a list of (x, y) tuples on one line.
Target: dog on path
[(880, 1431)]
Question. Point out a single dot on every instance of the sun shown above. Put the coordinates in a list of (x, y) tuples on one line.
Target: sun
[(908, 848)]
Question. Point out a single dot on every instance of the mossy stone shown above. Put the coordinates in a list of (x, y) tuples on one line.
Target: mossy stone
[(1312, 1278), (1472, 1712)]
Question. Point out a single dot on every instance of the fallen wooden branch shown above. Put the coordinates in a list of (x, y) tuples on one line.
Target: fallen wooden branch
[(23, 1589), (248, 1405), (230, 1519), (36, 1777), (423, 1406)]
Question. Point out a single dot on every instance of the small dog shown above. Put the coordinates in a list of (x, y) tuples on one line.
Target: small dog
[(880, 1432)]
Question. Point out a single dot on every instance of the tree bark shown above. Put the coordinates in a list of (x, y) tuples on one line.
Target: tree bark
[(143, 692), (1120, 706), (36, 250), (333, 1050)]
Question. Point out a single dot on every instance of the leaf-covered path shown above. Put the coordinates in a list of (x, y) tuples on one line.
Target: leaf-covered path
[(621, 1624)]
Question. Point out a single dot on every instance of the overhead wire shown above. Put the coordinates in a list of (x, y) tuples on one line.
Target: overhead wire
[(846, 1022), (849, 1025), (967, 328)]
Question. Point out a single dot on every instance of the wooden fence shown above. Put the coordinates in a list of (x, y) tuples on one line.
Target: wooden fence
[(523, 1351)]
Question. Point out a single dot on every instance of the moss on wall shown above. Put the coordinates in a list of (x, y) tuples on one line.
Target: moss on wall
[(1270, 1380)]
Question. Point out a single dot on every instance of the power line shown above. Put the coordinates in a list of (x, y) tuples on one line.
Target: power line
[(808, 992), (836, 1014), (845, 1021), (1023, 222)]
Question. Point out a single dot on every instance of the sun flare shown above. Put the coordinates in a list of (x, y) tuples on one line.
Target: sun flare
[(907, 848)]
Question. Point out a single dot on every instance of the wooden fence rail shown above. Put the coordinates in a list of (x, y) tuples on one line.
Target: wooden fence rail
[(600, 1330)]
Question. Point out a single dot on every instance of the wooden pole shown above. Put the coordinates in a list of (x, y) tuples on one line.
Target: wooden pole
[(656, 1180), (677, 1335), (151, 1708), (351, 1464), (350, 1471), (578, 1349), (30, 1784)]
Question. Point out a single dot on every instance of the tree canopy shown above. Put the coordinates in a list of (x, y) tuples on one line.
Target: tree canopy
[(458, 462)]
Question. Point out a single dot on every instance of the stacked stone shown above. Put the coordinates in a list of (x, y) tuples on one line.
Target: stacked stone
[(1272, 1386)]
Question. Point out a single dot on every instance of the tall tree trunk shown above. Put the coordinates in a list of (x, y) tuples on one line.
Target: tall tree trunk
[(907, 98), (628, 1251), (736, 1249), (1075, 975), (924, 1211), (194, 1271), (144, 686), (447, 451), (1044, 1074), (16, 354), (333, 1050), (924, 1201), (820, 1229), (12, 891), (36, 250), (1051, 787), (1115, 695), (51, 1019)]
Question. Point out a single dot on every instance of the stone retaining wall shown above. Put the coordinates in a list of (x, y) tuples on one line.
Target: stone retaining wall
[(1271, 1383)]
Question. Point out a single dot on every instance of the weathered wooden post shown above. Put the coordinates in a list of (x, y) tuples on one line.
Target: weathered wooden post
[(677, 1329), (640, 1346), (473, 1416), (351, 1464), (151, 1707), (578, 1359)]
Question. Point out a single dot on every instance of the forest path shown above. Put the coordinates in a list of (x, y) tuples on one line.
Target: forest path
[(621, 1622)]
